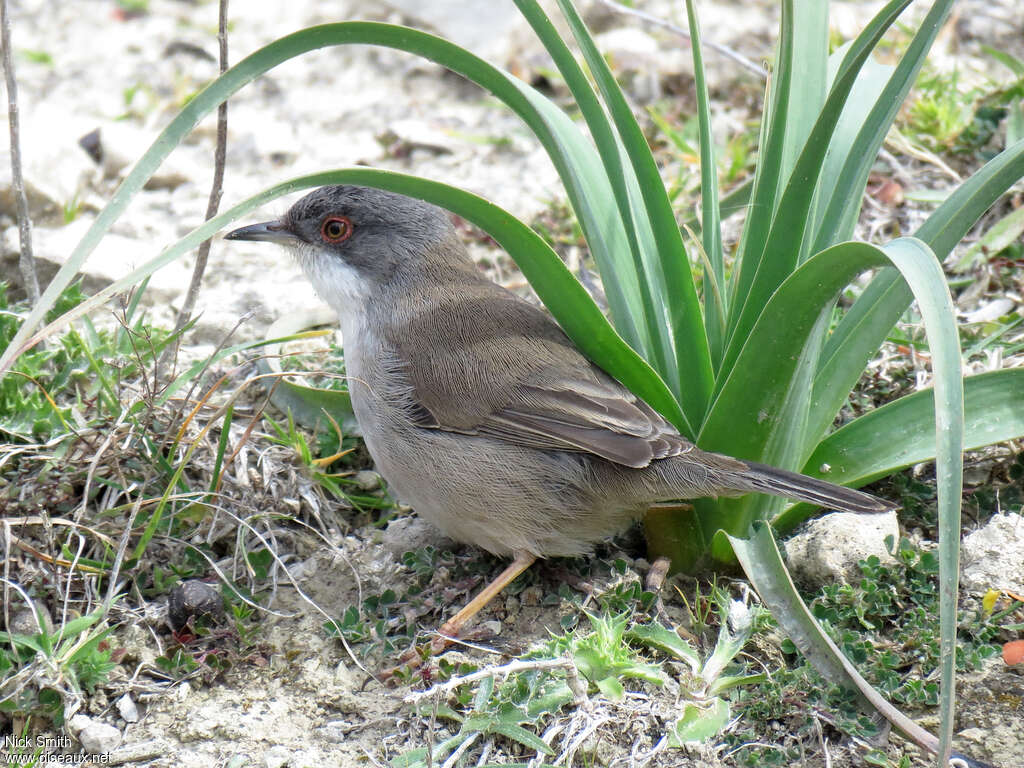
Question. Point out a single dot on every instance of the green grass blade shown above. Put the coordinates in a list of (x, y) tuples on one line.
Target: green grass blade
[(218, 458), (865, 325), (796, 93), (675, 283), (649, 311), (711, 216), (735, 200), (843, 205), (781, 254)]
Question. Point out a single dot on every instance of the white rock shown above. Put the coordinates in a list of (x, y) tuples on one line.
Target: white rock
[(98, 738), (366, 480), (277, 757), (128, 709), (633, 52), (183, 691), (44, 202), (990, 311), (335, 731), (302, 569), (993, 556), (830, 547), (408, 533), (631, 48)]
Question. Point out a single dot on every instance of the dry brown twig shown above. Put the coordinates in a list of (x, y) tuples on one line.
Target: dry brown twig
[(216, 188), (26, 262)]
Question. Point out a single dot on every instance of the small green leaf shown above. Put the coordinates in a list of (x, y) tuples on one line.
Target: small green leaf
[(590, 663), (483, 693), (549, 702), (1003, 233), (726, 682), (611, 688), (411, 759), (699, 724), (479, 722), (523, 736), (655, 635), (429, 709)]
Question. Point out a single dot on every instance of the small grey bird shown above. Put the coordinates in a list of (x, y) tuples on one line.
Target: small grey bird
[(477, 409)]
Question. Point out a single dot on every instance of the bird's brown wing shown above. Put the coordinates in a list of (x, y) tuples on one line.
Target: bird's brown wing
[(613, 425), (536, 389)]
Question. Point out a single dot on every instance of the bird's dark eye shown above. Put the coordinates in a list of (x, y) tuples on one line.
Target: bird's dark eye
[(336, 229)]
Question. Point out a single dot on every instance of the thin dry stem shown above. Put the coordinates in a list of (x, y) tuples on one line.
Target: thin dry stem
[(216, 189), (26, 262)]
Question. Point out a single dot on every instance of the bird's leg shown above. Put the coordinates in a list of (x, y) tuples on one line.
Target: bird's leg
[(452, 627)]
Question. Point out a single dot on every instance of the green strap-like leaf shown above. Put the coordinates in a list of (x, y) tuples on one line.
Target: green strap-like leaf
[(667, 264), (749, 419), (745, 413), (844, 201), (648, 313), (781, 251), (715, 308), (866, 324), (922, 271), (761, 410), (796, 92)]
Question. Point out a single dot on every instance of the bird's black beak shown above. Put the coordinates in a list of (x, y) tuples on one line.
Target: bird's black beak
[(269, 231)]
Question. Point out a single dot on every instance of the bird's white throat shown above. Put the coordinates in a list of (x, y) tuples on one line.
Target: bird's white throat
[(337, 283)]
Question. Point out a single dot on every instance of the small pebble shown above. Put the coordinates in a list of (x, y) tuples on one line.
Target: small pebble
[(277, 757), (128, 709), (193, 598)]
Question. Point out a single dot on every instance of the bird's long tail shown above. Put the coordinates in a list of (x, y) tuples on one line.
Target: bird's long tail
[(780, 482)]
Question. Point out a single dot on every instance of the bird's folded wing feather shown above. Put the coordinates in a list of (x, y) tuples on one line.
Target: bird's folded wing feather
[(536, 388), (625, 432)]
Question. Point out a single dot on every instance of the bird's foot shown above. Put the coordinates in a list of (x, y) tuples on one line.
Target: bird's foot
[(450, 630)]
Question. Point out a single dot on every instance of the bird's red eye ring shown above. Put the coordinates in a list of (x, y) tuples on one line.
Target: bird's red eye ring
[(336, 229)]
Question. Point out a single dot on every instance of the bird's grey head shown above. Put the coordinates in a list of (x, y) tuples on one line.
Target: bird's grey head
[(351, 240)]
